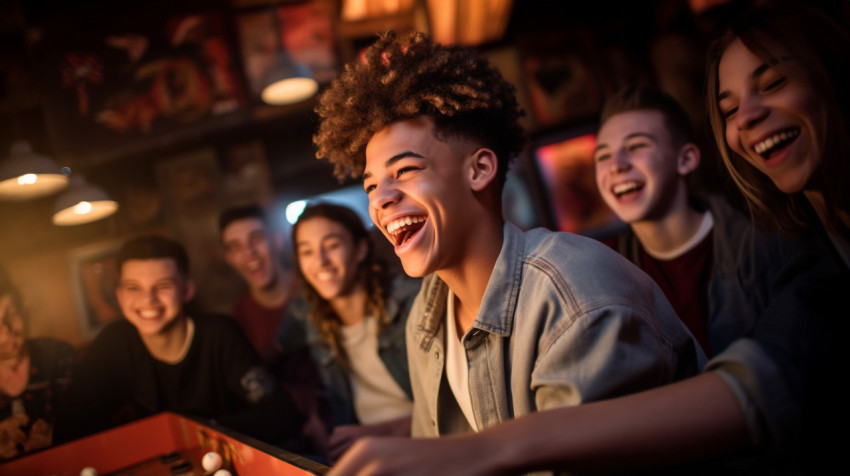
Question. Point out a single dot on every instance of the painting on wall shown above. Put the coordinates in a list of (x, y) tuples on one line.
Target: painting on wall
[(112, 93), (561, 77), (94, 275), (303, 32), (565, 164)]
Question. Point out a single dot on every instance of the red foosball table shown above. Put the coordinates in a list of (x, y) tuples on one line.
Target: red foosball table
[(164, 444)]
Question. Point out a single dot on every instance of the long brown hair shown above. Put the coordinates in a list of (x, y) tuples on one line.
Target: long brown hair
[(371, 272), (822, 49)]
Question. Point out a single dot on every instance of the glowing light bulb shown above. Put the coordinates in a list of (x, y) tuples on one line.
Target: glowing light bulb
[(27, 179), (82, 208)]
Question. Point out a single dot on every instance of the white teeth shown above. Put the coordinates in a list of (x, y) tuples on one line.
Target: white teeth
[(775, 139), (625, 187), (324, 276), (149, 314), (395, 225)]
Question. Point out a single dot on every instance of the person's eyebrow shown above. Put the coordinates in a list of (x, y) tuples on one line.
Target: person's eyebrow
[(642, 134), (395, 159)]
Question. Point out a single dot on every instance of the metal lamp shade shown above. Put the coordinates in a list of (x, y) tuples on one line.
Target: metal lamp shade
[(82, 203), (25, 174)]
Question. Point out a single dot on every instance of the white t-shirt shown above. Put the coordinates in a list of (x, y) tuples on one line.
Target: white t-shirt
[(377, 396), (457, 366)]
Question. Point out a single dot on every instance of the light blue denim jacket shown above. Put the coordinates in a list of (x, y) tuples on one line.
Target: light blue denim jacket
[(391, 350), (564, 320)]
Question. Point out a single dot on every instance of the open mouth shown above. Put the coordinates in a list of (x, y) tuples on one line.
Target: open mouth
[(149, 314), (621, 189), (402, 229), (776, 142)]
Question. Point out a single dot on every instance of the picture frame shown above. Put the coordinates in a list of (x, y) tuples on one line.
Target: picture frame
[(562, 77), (303, 32), (565, 168), (94, 278), (140, 83)]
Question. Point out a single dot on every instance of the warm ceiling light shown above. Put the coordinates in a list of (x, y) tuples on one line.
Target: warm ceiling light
[(288, 83), (82, 203), (25, 174)]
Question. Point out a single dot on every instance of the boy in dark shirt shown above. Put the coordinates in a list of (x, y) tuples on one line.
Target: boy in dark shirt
[(160, 359)]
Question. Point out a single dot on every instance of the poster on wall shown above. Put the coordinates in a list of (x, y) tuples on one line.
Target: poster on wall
[(94, 274), (139, 82), (561, 75), (566, 167), (302, 32)]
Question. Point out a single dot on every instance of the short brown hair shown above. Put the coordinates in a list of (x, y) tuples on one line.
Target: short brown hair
[(154, 247), (644, 98)]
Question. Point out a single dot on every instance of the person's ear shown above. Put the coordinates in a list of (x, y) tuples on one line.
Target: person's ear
[(688, 159), (483, 166), (188, 290)]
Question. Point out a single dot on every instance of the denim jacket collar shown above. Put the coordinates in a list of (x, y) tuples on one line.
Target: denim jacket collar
[(500, 297)]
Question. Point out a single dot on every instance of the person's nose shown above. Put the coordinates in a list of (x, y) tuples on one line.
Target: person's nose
[(384, 195), (621, 161), (750, 112), (152, 296)]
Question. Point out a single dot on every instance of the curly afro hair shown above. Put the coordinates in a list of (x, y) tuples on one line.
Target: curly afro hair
[(400, 78)]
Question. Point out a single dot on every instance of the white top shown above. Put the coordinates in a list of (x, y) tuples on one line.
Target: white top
[(377, 396), (457, 366), (704, 229)]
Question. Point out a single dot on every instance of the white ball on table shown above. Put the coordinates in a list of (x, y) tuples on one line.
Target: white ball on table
[(88, 471), (211, 461)]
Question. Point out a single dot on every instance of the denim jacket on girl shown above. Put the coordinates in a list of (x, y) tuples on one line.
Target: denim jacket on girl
[(391, 350)]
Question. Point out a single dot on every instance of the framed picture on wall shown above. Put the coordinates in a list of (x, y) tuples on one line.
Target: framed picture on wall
[(562, 77), (566, 170), (302, 33), (94, 277), (139, 82)]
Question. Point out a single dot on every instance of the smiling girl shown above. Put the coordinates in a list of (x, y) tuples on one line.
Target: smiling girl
[(779, 103), (357, 318)]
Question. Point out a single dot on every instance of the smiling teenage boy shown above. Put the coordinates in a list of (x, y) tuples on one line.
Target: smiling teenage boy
[(706, 256), (507, 322), (254, 250), (158, 358)]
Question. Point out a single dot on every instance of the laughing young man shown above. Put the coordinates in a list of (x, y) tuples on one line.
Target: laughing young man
[(706, 256), (158, 358), (253, 249), (507, 322)]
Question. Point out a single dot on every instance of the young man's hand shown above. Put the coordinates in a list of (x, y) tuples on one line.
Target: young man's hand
[(371, 456), (344, 436)]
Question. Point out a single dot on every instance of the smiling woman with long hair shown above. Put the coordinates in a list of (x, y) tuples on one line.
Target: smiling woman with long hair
[(356, 325)]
